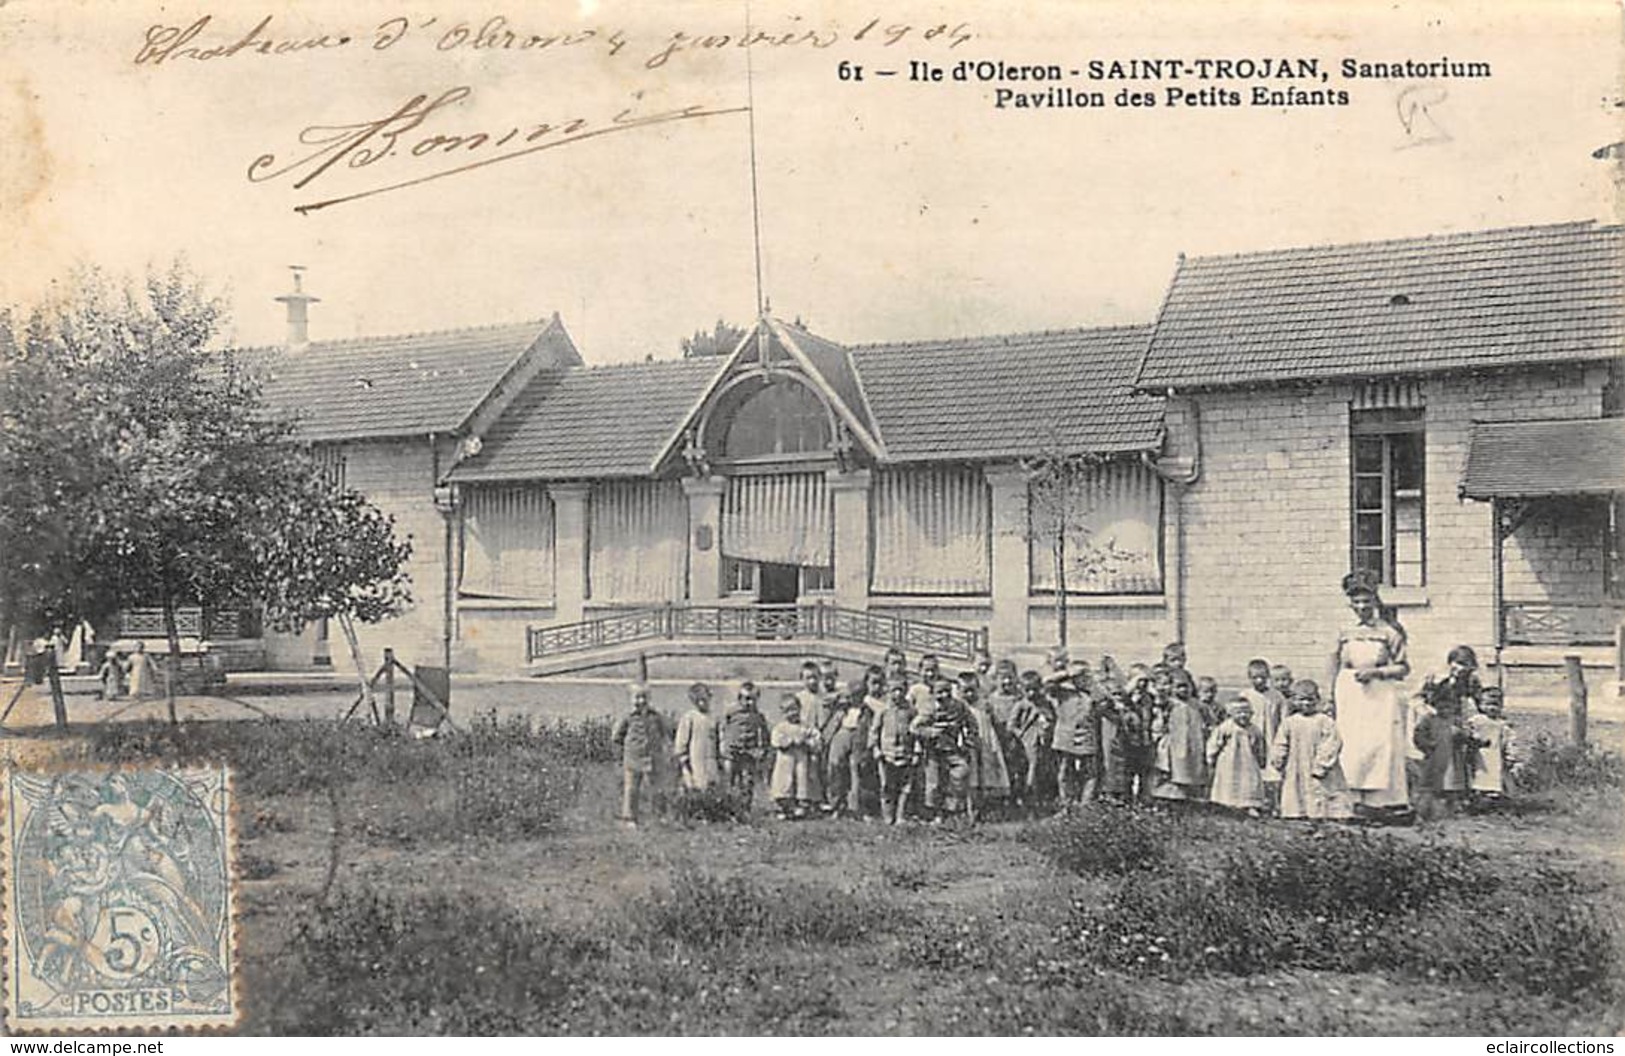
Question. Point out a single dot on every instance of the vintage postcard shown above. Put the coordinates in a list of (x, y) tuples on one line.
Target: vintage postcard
[(859, 516), (119, 900)]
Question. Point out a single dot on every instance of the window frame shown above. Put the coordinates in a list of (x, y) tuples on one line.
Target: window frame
[(737, 403), (825, 585), (1388, 426), (806, 586), (732, 567)]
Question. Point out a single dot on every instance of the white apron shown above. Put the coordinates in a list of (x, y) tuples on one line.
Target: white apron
[(1371, 721)]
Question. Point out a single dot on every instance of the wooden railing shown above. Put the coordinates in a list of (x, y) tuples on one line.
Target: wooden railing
[(1545, 623), (755, 623)]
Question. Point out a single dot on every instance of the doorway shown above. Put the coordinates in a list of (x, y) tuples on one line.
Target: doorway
[(777, 585)]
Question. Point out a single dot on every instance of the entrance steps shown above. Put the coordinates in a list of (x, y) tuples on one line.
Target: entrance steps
[(710, 659)]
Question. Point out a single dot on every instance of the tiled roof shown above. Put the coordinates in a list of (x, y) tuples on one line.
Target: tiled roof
[(968, 399), (391, 386), (834, 363), (581, 422), (1522, 459), (1516, 296), (1008, 397)]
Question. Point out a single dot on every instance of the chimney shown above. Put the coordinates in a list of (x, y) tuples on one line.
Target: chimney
[(298, 303)]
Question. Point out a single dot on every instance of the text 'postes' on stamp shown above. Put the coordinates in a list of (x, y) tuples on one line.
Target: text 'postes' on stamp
[(118, 899)]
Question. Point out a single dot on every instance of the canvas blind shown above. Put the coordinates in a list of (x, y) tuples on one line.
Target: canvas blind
[(1114, 545), (638, 541), (507, 542), (782, 518), (931, 531)]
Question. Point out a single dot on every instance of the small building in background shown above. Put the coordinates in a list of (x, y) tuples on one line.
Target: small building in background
[(389, 416), (884, 480), (1441, 412)]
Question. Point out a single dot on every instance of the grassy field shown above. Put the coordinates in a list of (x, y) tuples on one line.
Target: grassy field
[(479, 885)]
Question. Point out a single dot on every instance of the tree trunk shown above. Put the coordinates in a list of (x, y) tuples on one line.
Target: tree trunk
[(172, 663), (1060, 584), (53, 678), (347, 623)]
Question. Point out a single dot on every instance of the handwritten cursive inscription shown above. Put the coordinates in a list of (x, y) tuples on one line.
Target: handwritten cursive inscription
[(205, 38), (164, 43), (409, 137)]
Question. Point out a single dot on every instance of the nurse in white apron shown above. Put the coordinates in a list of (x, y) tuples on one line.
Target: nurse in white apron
[(1370, 702)]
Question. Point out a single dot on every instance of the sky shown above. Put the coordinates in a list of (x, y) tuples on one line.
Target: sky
[(889, 208)]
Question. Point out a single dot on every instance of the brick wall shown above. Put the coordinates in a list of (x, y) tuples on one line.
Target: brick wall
[(1129, 633), (1267, 525), (1558, 552), (491, 640), (398, 477)]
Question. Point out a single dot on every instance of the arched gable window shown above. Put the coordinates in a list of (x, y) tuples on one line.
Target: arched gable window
[(773, 418)]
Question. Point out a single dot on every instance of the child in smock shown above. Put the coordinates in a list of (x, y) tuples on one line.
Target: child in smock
[(1496, 757), (1307, 753), (1237, 754), (792, 785), (697, 746), (1032, 724), (990, 777), (1269, 708), (1182, 774)]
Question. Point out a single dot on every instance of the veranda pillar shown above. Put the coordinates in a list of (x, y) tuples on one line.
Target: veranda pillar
[(849, 495), (1008, 487), (570, 550), (705, 537)]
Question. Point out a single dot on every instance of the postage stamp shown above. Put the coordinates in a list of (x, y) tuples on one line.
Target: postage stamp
[(118, 899)]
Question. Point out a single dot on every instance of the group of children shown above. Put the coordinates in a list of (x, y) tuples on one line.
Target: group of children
[(131, 674), (899, 744)]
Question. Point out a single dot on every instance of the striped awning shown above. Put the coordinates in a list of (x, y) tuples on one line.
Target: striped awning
[(781, 519), (1583, 456)]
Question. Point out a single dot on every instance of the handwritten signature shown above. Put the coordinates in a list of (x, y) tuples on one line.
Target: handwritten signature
[(1415, 105), (402, 136)]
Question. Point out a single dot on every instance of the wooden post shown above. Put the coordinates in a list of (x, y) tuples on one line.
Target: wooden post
[(1498, 592), (389, 687), (1619, 659), (59, 706), (1577, 698), (12, 703)]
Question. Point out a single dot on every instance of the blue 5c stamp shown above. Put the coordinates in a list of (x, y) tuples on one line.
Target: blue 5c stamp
[(118, 900)]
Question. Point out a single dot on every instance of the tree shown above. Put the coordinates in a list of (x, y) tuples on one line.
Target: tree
[(721, 341), (142, 466), (333, 556), (1057, 519)]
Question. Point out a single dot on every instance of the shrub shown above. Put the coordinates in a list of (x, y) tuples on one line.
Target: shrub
[(1352, 875), (1552, 763), (1349, 902), (494, 781), (1181, 923), (951, 944), (1104, 840), (906, 876), (434, 964), (1047, 997), (703, 910), (710, 805)]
